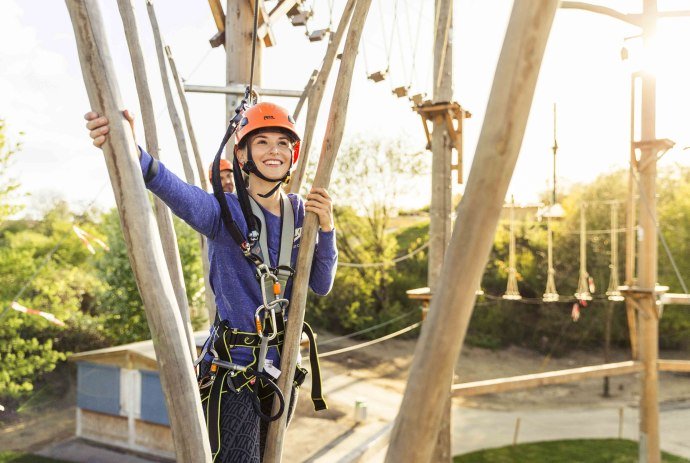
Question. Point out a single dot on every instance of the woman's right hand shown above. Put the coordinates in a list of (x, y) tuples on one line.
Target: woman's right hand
[(99, 128)]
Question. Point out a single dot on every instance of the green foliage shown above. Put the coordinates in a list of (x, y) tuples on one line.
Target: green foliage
[(8, 185), (44, 266), (564, 451), (367, 295)]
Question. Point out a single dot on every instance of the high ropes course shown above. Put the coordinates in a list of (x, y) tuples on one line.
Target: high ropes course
[(390, 46)]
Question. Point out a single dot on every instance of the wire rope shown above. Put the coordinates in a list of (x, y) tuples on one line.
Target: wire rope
[(382, 264), (370, 343), (369, 329)]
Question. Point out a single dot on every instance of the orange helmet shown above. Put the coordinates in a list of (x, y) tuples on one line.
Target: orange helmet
[(224, 165), (268, 116)]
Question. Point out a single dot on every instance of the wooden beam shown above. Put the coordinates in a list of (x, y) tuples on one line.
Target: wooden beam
[(141, 238), (163, 214), (675, 298), (680, 366), (279, 10), (268, 37), (219, 18), (316, 96), (514, 383), (441, 340), (335, 128)]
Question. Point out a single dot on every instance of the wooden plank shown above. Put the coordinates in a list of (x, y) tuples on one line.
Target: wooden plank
[(143, 243), (514, 383), (218, 14), (675, 298), (279, 10), (334, 134), (441, 340), (163, 214), (316, 96), (680, 366)]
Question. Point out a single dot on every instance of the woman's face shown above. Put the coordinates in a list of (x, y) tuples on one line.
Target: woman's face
[(272, 153)]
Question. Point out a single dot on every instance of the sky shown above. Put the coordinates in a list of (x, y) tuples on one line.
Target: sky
[(43, 98)]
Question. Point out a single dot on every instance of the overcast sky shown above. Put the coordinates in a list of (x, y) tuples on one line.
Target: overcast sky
[(42, 92)]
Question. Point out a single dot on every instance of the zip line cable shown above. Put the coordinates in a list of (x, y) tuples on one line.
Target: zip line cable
[(369, 343), (254, 33), (371, 328), (383, 264)]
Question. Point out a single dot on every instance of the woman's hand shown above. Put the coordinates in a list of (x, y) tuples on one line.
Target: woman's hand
[(319, 202), (99, 128)]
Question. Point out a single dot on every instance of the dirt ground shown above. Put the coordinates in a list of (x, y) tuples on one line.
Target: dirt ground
[(386, 364)]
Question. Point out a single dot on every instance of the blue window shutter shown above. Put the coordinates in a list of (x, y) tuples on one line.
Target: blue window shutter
[(98, 388), (153, 407)]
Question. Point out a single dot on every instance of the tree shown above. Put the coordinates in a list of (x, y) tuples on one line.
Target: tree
[(370, 178), (8, 185)]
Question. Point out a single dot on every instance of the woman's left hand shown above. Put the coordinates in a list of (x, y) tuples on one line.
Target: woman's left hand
[(319, 202)]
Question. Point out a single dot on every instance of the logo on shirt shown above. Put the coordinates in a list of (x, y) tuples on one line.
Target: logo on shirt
[(298, 234)]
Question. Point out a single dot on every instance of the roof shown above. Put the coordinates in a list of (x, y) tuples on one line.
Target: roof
[(135, 356)]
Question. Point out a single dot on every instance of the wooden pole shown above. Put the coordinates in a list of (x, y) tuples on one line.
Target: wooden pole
[(170, 101), (316, 96), (331, 143), (305, 94), (441, 184), (163, 214), (631, 232), (442, 336), (143, 243), (650, 451), (182, 146), (203, 181)]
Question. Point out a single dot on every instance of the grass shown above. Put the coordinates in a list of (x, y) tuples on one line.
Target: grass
[(20, 457), (565, 451)]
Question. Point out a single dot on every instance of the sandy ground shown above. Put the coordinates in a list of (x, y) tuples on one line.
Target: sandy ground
[(386, 365)]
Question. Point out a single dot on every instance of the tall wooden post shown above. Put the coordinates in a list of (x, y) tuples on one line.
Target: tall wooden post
[(163, 214), (141, 237), (631, 232), (441, 189), (335, 127), (188, 167), (649, 317), (316, 95), (414, 435)]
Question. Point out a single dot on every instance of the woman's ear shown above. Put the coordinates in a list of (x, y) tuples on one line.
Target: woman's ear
[(241, 155)]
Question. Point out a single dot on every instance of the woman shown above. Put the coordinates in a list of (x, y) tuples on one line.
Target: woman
[(267, 147)]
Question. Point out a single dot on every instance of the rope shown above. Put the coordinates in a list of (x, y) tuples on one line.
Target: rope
[(382, 264), (254, 33), (369, 343), (366, 330), (198, 65)]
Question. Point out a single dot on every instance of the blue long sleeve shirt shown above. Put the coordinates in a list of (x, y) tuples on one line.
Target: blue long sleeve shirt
[(232, 276)]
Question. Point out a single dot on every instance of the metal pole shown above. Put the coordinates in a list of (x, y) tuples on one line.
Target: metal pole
[(237, 90)]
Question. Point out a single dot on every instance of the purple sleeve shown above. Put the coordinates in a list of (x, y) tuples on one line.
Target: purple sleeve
[(324, 264), (190, 203)]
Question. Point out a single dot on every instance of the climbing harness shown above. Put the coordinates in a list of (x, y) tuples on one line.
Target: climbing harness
[(224, 375)]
